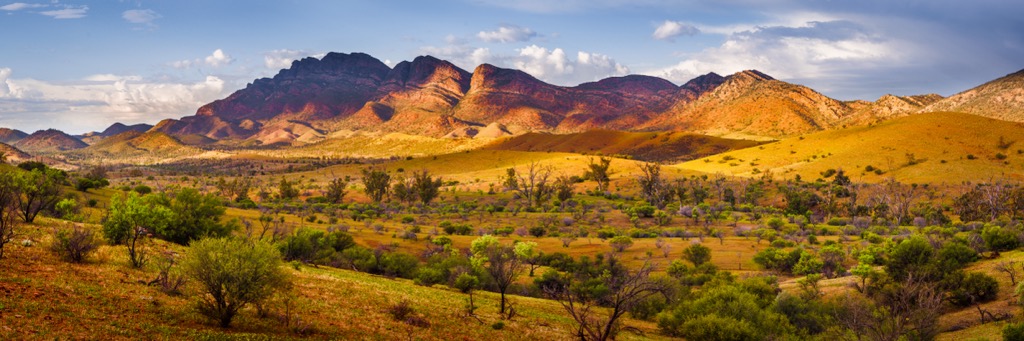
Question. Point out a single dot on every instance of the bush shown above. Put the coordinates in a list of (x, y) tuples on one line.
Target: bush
[(620, 243), (74, 244), (1013, 332), (232, 273), (975, 287), (999, 238), (697, 254)]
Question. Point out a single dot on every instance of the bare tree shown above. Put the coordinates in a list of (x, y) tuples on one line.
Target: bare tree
[(652, 186), (533, 185), (627, 290), (1010, 268), (910, 309)]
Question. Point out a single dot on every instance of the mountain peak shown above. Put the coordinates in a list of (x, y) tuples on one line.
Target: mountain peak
[(753, 75)]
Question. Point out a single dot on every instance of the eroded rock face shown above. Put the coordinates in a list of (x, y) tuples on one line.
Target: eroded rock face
[(432, 97)]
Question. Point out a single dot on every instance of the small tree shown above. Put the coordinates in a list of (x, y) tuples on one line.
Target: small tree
[(233, 273), (130, 220), (697, 254), (377, 183), (499, 260), (620, 243), (8, 208), (286, 190), (620, 292), (38, 190), (600, 172), (426, 187), (530, 254), (73, 244), (195, 216), (336, 190)]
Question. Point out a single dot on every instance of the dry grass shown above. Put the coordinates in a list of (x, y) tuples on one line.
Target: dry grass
[(940, 141)]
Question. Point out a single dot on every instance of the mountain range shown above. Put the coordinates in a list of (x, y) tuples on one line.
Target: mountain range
[(315, 99)]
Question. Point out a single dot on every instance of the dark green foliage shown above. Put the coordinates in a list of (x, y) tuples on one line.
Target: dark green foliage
[(38, 190), (426, 187), (1013, 332), (315, 246), (336, 190), (232, 273), (697, 254), (377, 183), (195, 216), (972, 288), (286, 190), (799, 201), (999, 238), (778, 260), (727, 312), (912, 256)]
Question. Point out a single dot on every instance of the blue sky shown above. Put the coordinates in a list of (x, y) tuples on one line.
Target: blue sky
[(82, 65)]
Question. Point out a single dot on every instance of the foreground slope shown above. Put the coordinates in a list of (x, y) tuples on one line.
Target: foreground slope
[(938, 147), (42, 297)]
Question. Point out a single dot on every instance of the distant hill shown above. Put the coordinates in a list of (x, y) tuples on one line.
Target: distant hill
[(10, 136), (113, 129), (942, 147), (1002, 99), (750, 103), (13, 155), (49, 141), (137, 148), (667, 146), (888, 107)]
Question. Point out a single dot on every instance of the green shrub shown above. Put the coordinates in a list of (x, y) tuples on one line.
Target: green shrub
[(74, 244), (1013, 332), (232, 273)]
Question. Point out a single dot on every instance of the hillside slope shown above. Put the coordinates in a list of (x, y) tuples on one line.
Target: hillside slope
[(49, 141), (1002, 99), (944, 147), (670, 146)]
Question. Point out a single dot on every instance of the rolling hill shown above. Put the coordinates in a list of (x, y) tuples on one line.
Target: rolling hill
[(1002, 99), (10, 136), (669, 146), (133, 147), (49, 141), (13, 155), (941, 147)]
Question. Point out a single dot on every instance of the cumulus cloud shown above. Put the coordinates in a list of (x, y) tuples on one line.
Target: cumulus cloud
[(17, 6), (669, 30), (282, 59), (140, 16), (507, 34), (68, 12), (555, 66), (216, 59), (814, 51), (100, 100)]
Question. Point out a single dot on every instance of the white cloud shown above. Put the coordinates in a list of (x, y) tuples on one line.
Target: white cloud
[(669, 30), (218, 58), (69, 12), (507, 34), (5, 89), (282, 59), (100, 100), (17, 6), (816, 50), (140, 16), (556, 67)]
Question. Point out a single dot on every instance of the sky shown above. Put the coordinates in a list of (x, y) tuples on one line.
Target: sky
[(80, 66)]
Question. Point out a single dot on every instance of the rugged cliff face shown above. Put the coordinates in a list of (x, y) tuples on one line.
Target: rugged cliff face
[(432, 97)]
